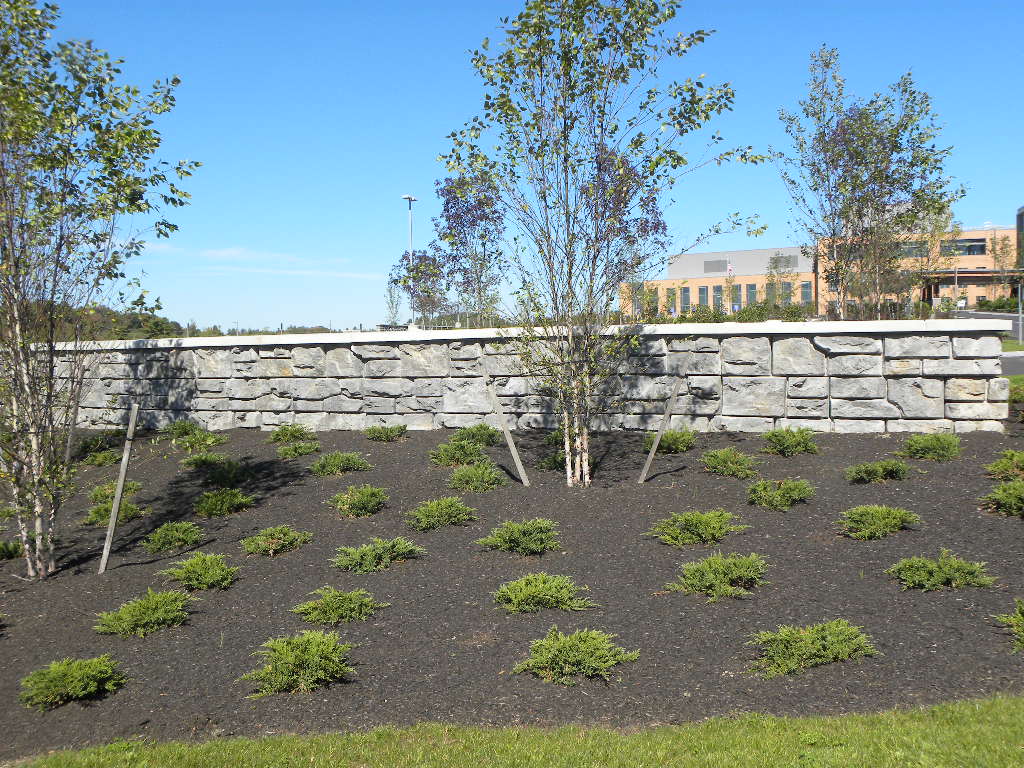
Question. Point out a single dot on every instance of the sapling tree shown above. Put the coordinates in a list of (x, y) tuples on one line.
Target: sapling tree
[(421, 277), (76, 158), (582, 143)]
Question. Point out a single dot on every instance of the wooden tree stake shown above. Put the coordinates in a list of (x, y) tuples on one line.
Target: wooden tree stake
[(665, 420), (115, 507), (508, 435)]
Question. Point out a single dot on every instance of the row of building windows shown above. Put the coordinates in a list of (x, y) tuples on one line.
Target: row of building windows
[(679, 302)]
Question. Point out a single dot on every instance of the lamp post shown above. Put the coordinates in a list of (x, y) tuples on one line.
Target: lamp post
[(410, 200)]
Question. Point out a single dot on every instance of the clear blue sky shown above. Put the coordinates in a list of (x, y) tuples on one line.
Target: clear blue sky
[(313, 117)]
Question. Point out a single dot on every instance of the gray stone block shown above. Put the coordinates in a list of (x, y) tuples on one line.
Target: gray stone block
[(375, 368), (807, 409), (533, 421), (855, 365), (688, 421), (967, 389), (418, 404), (978, 426), (852, 426), (341, 404), (466, 396), (864, 409), (705, 387), (803, 386), (275, 352), (646, 387), (309, 361), (700, 344), (815, 425), (753, 396), (344, 421), (651, 347), (998, 390), (858, 345), (502, 365), (980, 346), (977, 367), (316, 389), (688, 404), (741, 424), (796, 356), (265, 403), (215, 421), (271, 367), (705, 363), (903, 367), (379, 405), (458, 350), (424, 359), (375, 351), (746, 356), (918, 398), (858, 387), (246, 389), (340, 361), (388, 387), (919, 425), (917, 346), (979, 411)]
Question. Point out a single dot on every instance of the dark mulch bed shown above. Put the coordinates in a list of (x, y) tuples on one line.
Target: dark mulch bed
[(443, 651)]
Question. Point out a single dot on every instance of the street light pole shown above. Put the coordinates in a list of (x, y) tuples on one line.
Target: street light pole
[(410, 200)]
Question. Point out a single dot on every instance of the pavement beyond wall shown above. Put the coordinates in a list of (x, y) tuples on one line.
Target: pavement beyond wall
[(873, 376)]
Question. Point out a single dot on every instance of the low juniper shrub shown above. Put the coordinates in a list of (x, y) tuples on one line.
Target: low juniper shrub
[(105, 492), (332, 606), (672, 441), (946, 572), (874, 521), (275, 540), (177, 430), (938, 447), (217, 469), (789, 442), (1009, 466), (779, 494), (536, 591), (530, 537), (223, 501), (479, 477), (1006, 499), (71, 680), (145, 615), (102, 497), (457, 452), (292, 433), (1015, 622), (360, 500), (729, 462), (481, 434), (877, 471), (793, 649), (385, 434), (102, 458), (97, 443), (301, 663), (560, 658), (172, 536), (555, 462), (440, 512), (191, 436), (338, 463), (294, 450), (719, 576), (377, 555), (202, 571), (692, 527), (10, 550)]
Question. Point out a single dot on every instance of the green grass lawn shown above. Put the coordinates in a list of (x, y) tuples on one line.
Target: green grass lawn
[(986, 732), (1012, 345)]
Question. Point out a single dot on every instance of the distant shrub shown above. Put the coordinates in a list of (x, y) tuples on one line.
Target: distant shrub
[(376, 556), (536, 591), (1006, 499), (71, 680), (300, 663), (530, 537), (360, 500), (946, 572), (292, 433), (294, 450), (1009, 466), (877, 471), (873, 521), (102, 458), (794, 649), (172, 536), (720, 576), (440, 512), (685, 528), (10, 550), (1015, 621), (202, 571), (177, 430), (97, 443), (559, 658), (191, 436), (223, 501), (385, 434), (789, 442), (673, 441), (217, 469), (479, 477), (102, 497), (779, 494), (457, 452), (275, 540), (333, 606), (555, 438), (729, 462), (338, 463), (938, 447), (106, 491), (481, 434), (145, 615)]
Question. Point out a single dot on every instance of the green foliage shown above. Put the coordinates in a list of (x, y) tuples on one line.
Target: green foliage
[(481, 434), (70, 680), (938, 447), (873, 521), (333, 606), (536, 591), (223, 501), (1015, 621), (1009, 466), (559, 658), (292, 433), (793, 649), (171, 536), (456, 453), (530, 537), (673, 441), (191, 436), (946, 572), (376, 556), (779, 494), (300, 663), (97, 443), (102, 497), (789, 442), (275, 540), (338, 463), (102, 458), (217, 469), (178, 430), (729, 462), (10, 550), (720, 576), (440, 512), (481, 476), (1006, 499), (105, 492), (385, 434), (555, 462), (202, 571), (360, 500), (147, 614), (294, 450), (692, 527), (877, 471)]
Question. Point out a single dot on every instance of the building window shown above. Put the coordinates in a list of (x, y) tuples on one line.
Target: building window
[(805, 292), (965, 246), (787, 293), (914, 249), (702, 295), (685, 297), (769, 293), (670, 300), (717, 294), (736, 296), (751, 294)]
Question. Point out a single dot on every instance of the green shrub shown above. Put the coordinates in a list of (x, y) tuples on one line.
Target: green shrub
[(202, 571), (555, 438), (294, 450), (779, 494), (191, 436), (720, 576), (105, 492), (103, 458), (536, 591), (333, 606), (177, 430), (556, 462), (530, 537), (456, 453), (376, 556), (1009, 466), (673, 441), (360, 500), (102, 497), (481, 434), (222, 502), (558, 658), (873, 521), (292, 433), (10, 550), (946, 572), (684, 528), (1006, 499), (385, 434), (275, 540), (147, 614), (338, 463), (1016, 390), (300, 663), (939, 447), (440, 512), (171, 536), (1015, 621), (729, 462), (877, 471), (217, 469), (71, 680), (479, 477), (97, 443), (793, 649), (789, 442)]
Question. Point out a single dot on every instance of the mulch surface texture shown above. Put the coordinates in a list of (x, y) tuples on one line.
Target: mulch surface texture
[(444, 652)]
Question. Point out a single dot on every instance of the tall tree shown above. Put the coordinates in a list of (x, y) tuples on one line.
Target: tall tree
[(76, 156), (422, 277)]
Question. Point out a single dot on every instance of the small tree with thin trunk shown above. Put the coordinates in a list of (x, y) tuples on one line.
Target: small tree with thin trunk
[(422, 277)]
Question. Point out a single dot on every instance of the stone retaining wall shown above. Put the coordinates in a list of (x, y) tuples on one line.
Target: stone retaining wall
[(916, 376)]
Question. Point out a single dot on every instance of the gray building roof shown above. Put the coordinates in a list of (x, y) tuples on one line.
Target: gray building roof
[(750, 262)]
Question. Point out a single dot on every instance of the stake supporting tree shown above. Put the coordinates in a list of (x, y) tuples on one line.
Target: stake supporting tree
[(666, 419), (500, 413), (115, 507)]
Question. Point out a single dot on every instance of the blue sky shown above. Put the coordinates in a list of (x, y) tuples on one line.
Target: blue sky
[(313, 117)]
